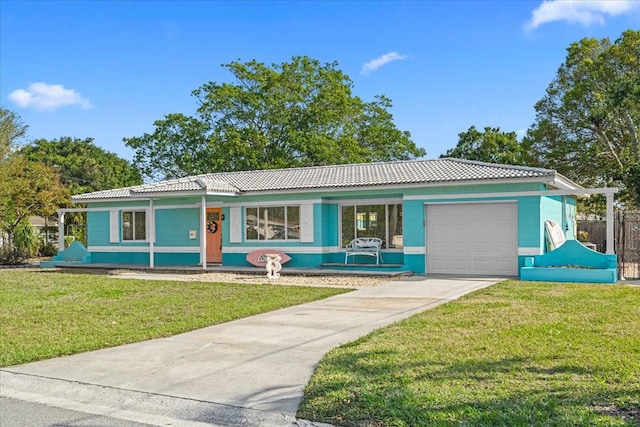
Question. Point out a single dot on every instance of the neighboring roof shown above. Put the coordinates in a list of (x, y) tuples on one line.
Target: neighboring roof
[(331, 177), (39, 222)]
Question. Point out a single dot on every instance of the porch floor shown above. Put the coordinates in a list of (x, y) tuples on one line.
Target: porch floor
[(326, 270)]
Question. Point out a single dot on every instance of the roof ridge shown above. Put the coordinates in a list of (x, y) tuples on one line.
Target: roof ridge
[(341, 165), (498, 165), (205, 183)]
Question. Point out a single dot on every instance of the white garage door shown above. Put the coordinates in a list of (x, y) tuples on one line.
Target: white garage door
[(472, 238)]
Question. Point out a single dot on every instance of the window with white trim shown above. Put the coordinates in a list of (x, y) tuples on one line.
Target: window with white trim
[(272, 223), (383, 221), (134, 225)]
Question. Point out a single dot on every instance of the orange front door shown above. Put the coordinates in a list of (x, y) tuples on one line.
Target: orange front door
[(214, 235)]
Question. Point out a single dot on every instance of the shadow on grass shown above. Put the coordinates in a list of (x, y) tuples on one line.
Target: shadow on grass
[(375, 389)]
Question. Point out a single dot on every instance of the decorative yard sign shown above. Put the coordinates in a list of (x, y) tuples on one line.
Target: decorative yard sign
[(273, 266), (259, 257)]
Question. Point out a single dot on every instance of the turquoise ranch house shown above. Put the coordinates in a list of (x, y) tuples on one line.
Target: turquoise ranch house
[(445, 216)]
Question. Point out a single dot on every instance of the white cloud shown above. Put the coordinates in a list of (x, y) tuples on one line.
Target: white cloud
[(374, 64), (44, 96), (585, 12)]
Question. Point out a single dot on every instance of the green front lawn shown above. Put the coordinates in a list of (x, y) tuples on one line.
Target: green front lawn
[(514, 354), (44, 314)]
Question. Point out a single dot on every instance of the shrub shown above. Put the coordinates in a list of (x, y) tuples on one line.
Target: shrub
[(48, 250), (68, 240), (25, 238), (12, 256)]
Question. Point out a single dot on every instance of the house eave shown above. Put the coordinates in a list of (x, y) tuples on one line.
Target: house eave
[(556, 181), (540, 180), (561, 182), (186, 193), (109, 200), (140, 196)]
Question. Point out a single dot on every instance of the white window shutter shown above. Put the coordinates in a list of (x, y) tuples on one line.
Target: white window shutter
[(306, 223), (114, 226), (235, 225), (147, 225)]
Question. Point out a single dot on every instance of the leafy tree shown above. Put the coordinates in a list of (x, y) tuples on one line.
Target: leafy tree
[(83, 166), (27, 188), (11, 131), (300, 113), (490, 145), (587, 124)]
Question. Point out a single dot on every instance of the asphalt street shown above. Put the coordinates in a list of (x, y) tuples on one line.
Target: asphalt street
[(14, 412)]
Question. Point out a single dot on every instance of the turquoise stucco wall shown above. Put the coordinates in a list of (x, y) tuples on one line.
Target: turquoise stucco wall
[(528, 222), (571, 262), (98, 228), (328, 228), (561, 210), (413, 217), (173, 225), (141, 258), (415, 263), (98, 222)]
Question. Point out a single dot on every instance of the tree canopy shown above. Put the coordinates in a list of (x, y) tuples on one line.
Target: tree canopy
[(39, 177), (11, 131), (82, 165), (298, 113), (27, 188), (587, 124), (490, 145)]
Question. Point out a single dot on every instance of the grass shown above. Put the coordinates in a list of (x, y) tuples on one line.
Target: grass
[(514, 354), (45, 314)]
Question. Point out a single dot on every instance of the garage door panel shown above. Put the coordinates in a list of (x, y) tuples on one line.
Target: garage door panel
[(504, 251), (460, 265), (477, 247), (439, 248), (462, 229), (477, 238), (440, 264), (440, 239), (460, 247)]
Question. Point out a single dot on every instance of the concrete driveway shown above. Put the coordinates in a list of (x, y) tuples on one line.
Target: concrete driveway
[(249, 372)]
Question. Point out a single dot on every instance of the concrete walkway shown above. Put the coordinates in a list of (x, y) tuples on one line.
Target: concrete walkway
[(249, 372)]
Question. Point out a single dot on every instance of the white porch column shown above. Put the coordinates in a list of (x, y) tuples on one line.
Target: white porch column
[(152, 234), (565, 223), (203, 232), (610, 249), (60, 231)]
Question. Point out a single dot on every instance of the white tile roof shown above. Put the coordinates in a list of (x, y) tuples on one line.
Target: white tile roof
[(321, 177)]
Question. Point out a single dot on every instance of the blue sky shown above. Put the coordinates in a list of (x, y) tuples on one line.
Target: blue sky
[(108, 70)]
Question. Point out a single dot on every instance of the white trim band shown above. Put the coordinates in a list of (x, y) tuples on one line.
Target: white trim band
[(549, 193), (143, 249), (286, 249), (415, 250), (273, 203), (529, 251)]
